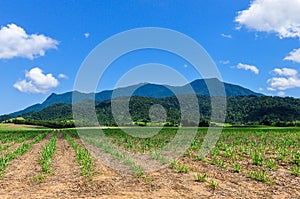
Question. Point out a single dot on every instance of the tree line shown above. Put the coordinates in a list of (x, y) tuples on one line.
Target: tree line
[(241, 110)]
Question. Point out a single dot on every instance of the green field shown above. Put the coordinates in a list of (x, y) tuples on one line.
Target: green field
[(250, 151), (263, 155)]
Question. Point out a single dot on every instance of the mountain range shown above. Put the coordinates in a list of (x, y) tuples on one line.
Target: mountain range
[(199, 87)]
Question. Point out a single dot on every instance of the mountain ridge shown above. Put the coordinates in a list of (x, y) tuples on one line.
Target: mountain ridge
[(143, 89)]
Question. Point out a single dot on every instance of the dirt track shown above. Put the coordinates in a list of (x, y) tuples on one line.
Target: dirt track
[(67, 182)]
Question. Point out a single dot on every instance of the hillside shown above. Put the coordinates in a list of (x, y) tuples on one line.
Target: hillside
[(146, 90), (240, 110)]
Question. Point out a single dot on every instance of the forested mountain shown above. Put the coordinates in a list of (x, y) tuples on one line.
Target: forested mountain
[(240, 110), (146, 90)]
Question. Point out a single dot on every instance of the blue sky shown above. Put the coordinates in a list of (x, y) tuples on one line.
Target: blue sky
[(43, 43)]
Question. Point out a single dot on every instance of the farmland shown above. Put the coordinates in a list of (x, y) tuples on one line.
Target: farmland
[(245, 163)]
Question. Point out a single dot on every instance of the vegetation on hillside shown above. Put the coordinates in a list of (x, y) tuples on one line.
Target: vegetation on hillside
[(241, 110)]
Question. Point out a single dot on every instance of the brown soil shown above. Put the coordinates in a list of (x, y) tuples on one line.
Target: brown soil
[(17, 179), (13, 146), (67, 182), (20, 126)]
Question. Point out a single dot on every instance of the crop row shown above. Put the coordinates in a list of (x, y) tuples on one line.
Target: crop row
[(47, 154), (7, 158), (98, 140), (83, 157), (251, 151), (18, 136)]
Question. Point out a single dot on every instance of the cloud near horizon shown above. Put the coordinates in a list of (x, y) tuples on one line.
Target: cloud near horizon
[(36, 82), (15, 42), (253, 69), (289, 79)]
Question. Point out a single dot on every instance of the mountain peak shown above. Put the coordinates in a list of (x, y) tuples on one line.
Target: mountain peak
[(145, 90)]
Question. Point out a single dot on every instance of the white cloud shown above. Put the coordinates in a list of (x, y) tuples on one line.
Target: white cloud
[(36, 82), (260, 89), (15, 42), (226, 36), (277, 16), (283, 83), (289, 79), (86, 35), (254, 69), (224, 62), (281, 93), (63, 76), (271, 89), (185, 65), (294, 56), (289, 72)]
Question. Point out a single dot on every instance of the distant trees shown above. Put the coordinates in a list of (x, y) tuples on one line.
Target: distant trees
[(241, 110)]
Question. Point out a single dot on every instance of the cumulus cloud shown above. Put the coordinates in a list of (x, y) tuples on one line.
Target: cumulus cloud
[(277, 16), (285, 72), (283, 83), (294, 56), (86, 35), (253, 69), (289, 79), (63, 76), (36, 82), (15, 42), (226, 36)]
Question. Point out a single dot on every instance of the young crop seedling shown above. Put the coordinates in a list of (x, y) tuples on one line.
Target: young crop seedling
[(260, 175), (237, 168), (159, 157), (39, 178), (5, 159), (83, 157), (271, 164), (213, 185), (201, 178), (219, 162), (47, 154), (102, 144), (180, 168), (295, 170), (257, 158)]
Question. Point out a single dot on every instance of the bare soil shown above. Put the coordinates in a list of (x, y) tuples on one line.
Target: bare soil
[(17, 180), (11, 126), (67, 181)]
